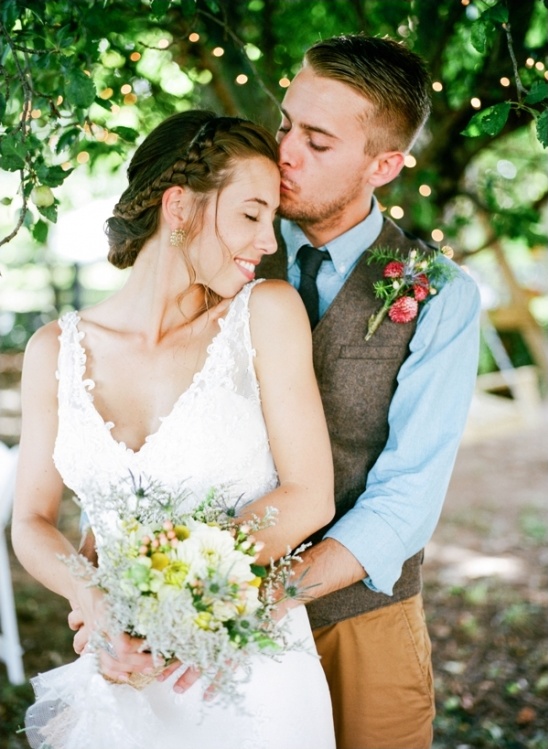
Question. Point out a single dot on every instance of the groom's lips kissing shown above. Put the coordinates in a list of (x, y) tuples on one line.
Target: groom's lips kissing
[(247, 267), (286, 186)]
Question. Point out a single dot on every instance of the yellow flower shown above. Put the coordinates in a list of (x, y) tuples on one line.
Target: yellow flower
[(203, 619), (159, 560), (176, 573), (182, 532)]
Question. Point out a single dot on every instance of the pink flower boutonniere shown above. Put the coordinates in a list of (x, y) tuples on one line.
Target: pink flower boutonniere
[(407, 282)]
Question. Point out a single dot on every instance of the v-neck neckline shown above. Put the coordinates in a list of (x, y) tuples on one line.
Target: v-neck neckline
[(88, 384)]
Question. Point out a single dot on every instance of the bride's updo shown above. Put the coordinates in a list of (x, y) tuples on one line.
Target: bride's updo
[(195, 149)]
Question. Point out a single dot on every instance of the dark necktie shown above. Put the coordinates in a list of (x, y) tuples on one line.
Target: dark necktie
[(310, 260)]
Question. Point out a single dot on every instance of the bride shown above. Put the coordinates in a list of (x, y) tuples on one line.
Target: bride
[(193, 372)]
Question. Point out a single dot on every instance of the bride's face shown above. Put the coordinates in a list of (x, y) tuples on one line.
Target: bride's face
[(237, 228)]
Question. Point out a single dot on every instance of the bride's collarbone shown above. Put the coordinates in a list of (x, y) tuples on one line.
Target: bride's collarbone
[(137, 386)]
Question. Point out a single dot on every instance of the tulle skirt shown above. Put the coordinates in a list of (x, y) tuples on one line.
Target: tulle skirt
[(285, 705)]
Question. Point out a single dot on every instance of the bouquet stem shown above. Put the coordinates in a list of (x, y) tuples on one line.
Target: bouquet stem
[(376, 319)]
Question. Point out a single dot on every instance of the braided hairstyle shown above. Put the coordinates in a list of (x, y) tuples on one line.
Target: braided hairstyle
[(194, 149)]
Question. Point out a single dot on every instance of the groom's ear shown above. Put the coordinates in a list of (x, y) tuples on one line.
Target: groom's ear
[(388, 165), (175, 206)]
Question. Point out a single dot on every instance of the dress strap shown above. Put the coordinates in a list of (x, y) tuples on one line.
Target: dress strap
[(71, 363)]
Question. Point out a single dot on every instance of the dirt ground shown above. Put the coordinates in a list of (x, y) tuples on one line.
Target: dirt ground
[(486, 593), (486, 589)]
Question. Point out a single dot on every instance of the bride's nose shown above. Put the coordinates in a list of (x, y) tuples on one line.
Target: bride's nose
[(268, 242)]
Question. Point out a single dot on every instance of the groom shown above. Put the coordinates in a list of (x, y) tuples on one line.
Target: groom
[(396, 405)]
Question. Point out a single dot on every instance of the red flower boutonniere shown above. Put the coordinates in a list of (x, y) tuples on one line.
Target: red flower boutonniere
[(406, 283)]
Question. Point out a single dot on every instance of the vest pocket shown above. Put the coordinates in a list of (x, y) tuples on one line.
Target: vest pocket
[(368, 351)]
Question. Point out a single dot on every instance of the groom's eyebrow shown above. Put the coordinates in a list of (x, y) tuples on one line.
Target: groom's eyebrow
[(308, 128)]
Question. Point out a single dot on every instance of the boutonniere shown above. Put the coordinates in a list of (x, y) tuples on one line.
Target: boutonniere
[(407, 282)]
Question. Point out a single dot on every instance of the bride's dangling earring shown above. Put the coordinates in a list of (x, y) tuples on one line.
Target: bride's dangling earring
[(177, 237)]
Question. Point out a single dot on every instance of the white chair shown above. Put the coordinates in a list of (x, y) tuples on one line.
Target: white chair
[(11, 651)]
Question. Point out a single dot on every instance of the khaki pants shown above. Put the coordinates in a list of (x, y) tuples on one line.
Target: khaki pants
[(379, 670)]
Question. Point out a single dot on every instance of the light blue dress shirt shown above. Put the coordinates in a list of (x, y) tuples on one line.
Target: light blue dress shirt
[(398, 511)]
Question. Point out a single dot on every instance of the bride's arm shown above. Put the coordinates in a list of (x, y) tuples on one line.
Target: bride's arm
[(294, 419), (37, 541)]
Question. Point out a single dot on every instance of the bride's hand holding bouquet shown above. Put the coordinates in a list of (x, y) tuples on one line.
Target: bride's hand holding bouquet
[(180, 586)]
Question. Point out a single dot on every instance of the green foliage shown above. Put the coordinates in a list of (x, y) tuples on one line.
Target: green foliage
[(491, 120), (82, 81)]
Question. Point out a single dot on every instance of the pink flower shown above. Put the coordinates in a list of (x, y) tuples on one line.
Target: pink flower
[(394, 269), (403, 309), (421, 288)]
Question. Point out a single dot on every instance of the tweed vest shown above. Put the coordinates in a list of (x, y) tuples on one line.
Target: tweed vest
[(357, 380)]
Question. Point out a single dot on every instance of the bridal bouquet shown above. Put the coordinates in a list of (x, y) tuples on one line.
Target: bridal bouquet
[(187, 582)]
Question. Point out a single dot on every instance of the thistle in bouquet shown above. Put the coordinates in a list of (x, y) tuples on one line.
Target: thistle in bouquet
[(408, 281), (187, 582)]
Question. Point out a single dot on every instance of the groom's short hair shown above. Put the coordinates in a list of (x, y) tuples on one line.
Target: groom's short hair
[(386, 73)]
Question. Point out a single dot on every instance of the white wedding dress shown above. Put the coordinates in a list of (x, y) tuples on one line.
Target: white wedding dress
[(215, 435)]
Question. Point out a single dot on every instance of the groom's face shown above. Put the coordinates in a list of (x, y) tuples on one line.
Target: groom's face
[(323, 163)]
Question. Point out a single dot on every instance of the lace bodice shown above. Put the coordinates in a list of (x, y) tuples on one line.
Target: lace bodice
[(214, 436)]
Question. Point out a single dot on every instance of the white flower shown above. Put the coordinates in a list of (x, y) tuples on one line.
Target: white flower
[(224, 610), (207, 548)]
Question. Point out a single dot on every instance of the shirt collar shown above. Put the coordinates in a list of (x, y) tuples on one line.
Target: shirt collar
[(344, 249)]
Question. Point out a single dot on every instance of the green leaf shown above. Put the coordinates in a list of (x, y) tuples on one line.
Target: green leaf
[(68, 138), (28, 187), (538, 92), (258, 570), (8, 12), (478, 35), (40, 231), (11, 163), (80, 89), (12, 145), (158, 8), (48, 61), (542, 128), (213, 5), (125, 133), (52, 176), (104, 103), (489, 121), (496, 14), (50, 213), (2, 106)]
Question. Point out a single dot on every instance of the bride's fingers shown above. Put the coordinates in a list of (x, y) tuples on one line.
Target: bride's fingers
[(75, 619), (166, 673), (188, 678), (212, 690), (80, 640), (124, 654)]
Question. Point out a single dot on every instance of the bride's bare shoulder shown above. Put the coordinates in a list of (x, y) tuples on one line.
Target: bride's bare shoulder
[(45, 337), (40, 360), (276, 299), (277, 312)]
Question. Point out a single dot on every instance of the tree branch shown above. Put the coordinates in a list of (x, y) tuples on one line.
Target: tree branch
[(520, 88)]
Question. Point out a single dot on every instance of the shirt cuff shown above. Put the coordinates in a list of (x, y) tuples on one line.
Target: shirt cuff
[(381, 553)]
